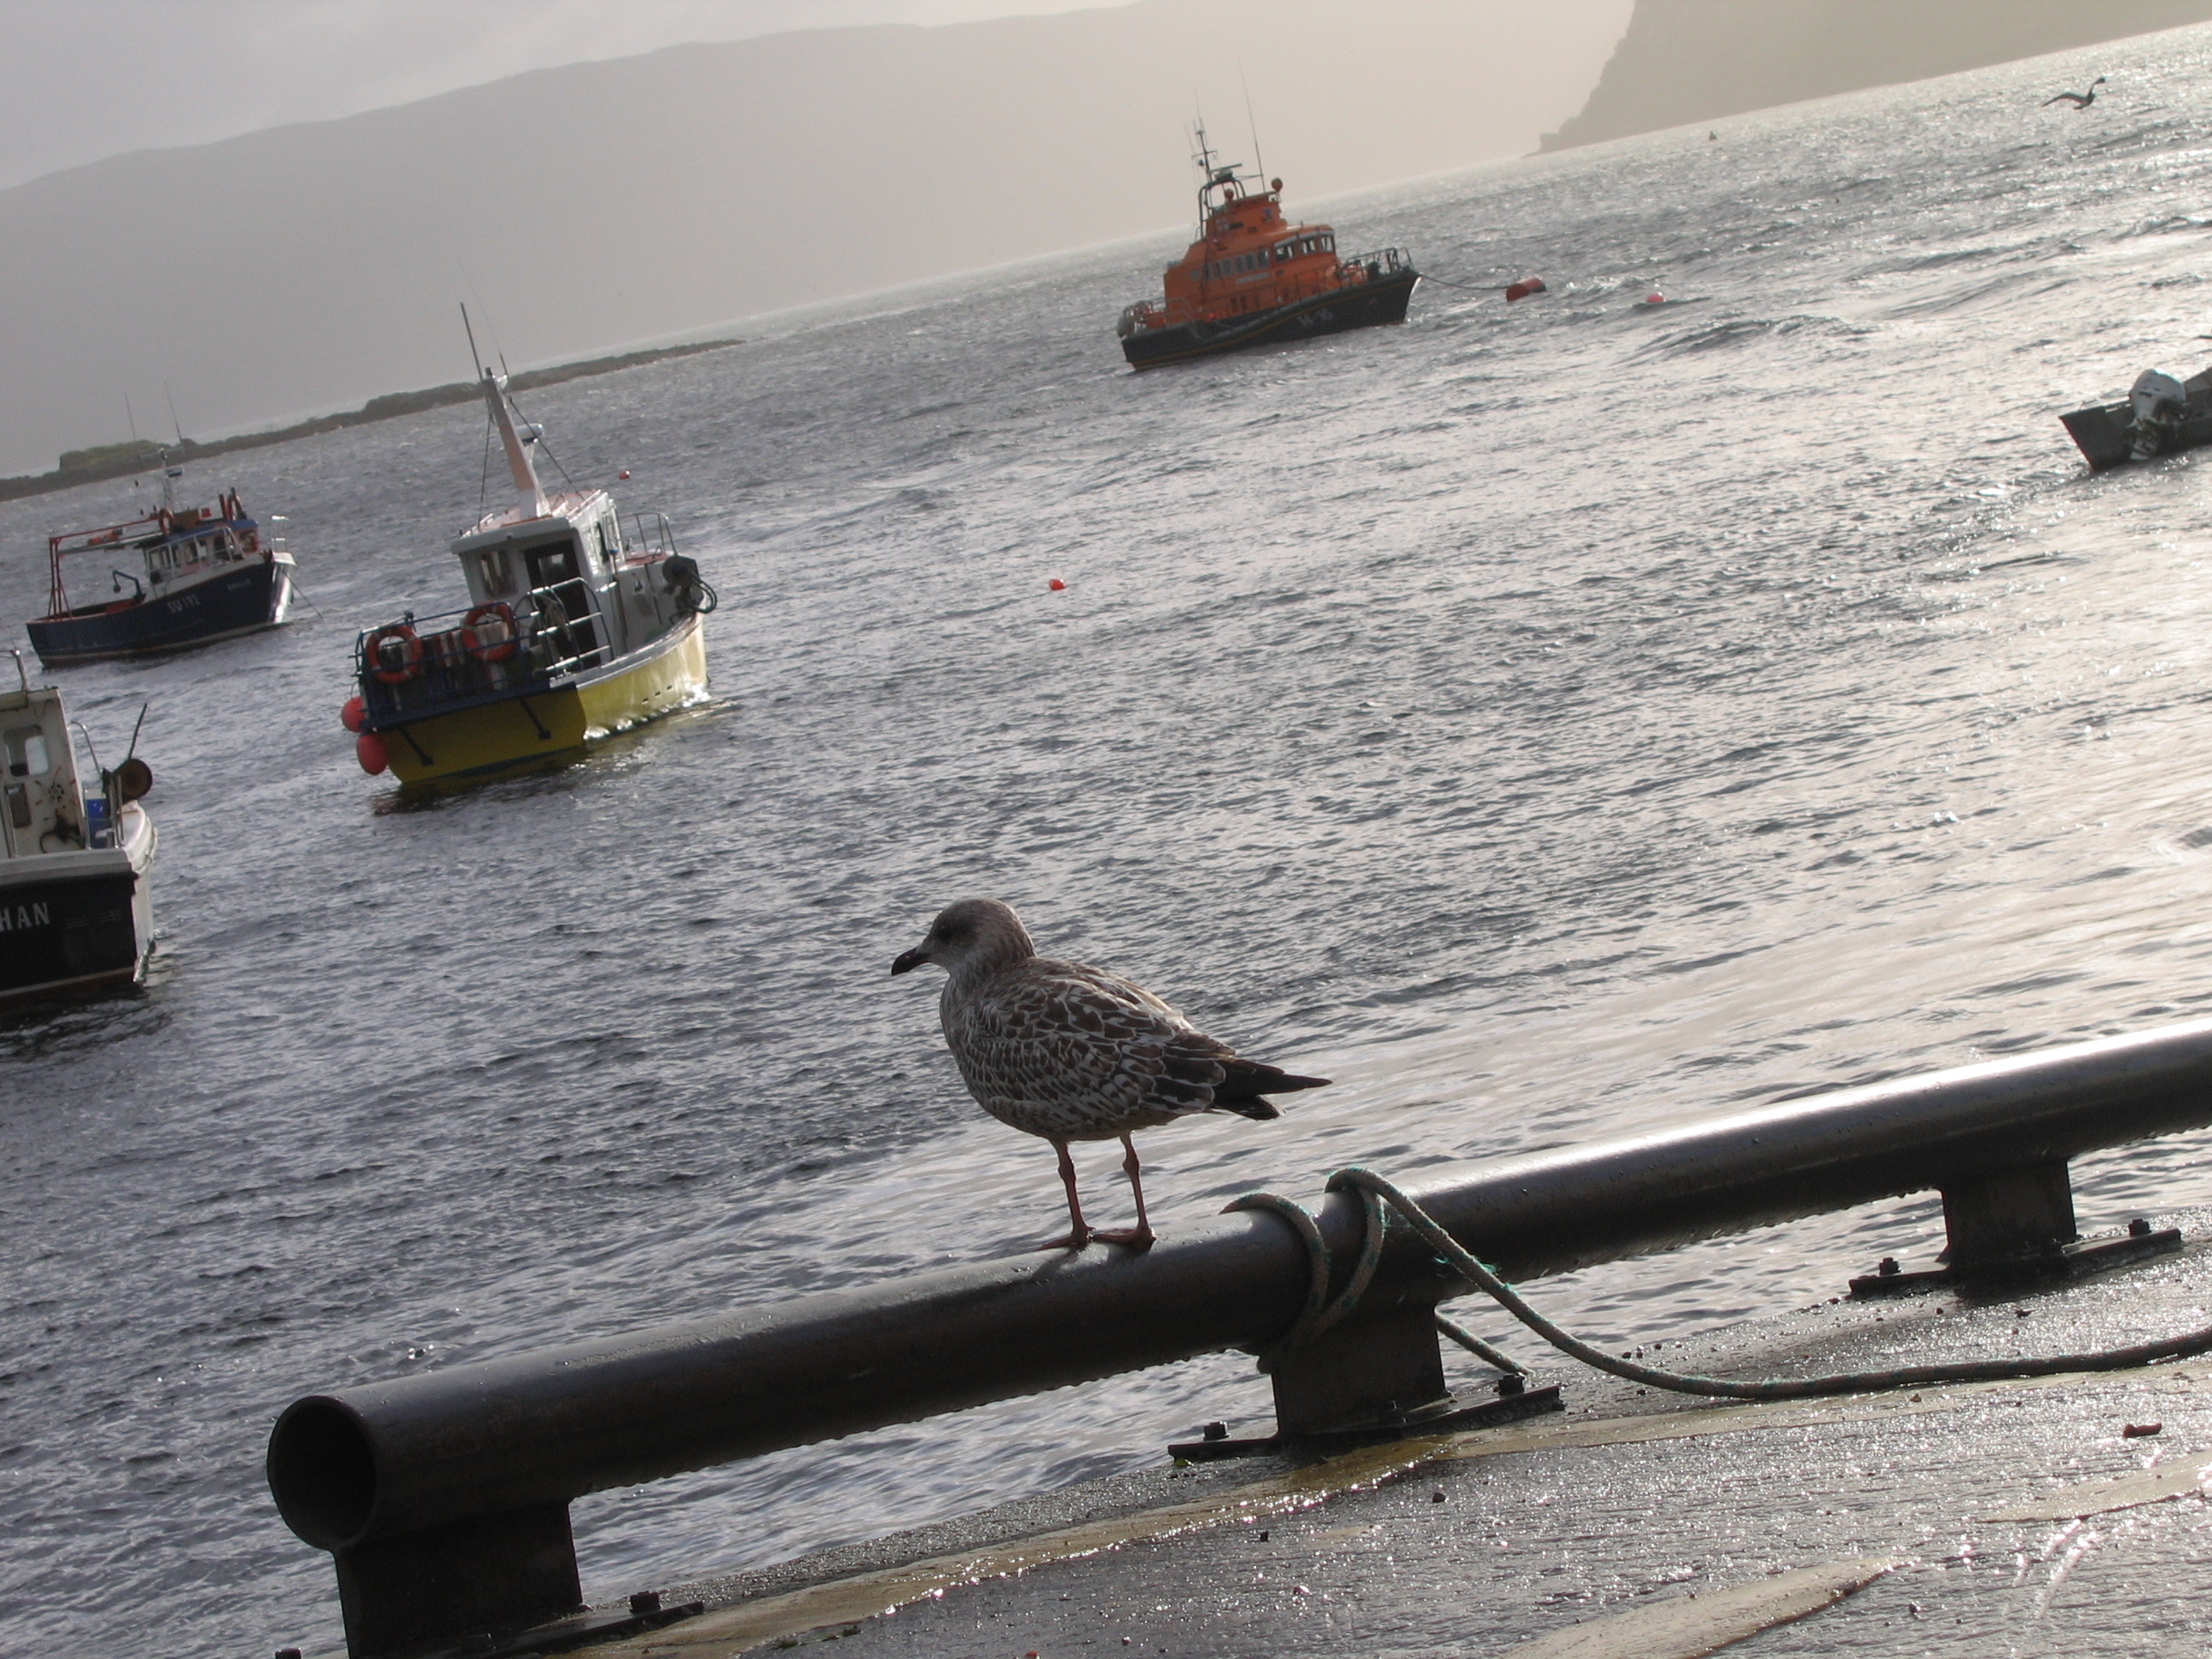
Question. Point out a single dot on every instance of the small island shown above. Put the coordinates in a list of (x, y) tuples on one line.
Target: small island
[(80, 466)]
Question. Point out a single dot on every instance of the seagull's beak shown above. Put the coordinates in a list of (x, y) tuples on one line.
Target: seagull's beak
[(911, 959)]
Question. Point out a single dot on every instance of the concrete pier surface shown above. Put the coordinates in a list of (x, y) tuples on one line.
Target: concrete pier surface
[(2060, 1515)]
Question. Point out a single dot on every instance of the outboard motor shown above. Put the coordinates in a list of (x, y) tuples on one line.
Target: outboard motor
[(2156, 401)]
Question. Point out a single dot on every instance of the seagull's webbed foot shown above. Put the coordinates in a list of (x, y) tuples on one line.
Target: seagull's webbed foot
[(1136, 1239), (1074, 1240)]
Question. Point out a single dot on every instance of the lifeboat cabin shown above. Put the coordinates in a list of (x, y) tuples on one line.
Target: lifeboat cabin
[(1252, 278), (203, 574), (76, 864), (579, 626)]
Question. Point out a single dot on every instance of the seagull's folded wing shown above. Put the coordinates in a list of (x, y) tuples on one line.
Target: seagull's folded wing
[(1063, 1039)]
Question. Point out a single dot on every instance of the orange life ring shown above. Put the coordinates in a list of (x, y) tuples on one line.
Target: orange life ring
[(490, 644), (410, 652)]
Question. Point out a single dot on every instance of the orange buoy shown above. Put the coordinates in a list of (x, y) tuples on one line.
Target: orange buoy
[(1524, 288), (1655, 298), (368, 750), (354, 711), (1056, 584)]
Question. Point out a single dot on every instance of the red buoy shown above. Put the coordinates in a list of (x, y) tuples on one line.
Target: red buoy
[(353, 714), (620, 475), (1523, 288), (368, 750), (1655, 298), (1056, 584)]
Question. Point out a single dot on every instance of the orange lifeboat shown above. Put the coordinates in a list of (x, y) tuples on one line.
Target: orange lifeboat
[(1253, 278)]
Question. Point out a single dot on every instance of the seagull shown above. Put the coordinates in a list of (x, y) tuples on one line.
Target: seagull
[(2079, 100), (1069, 1053)]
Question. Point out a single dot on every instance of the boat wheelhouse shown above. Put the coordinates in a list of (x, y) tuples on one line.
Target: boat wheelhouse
[(76, 906), (202, 575), (1254, 279), (580, 625)]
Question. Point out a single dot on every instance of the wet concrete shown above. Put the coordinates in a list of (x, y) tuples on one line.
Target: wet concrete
[(2015, 1518)]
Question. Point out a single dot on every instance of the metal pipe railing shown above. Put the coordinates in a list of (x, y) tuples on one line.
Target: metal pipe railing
[(390, 1475)]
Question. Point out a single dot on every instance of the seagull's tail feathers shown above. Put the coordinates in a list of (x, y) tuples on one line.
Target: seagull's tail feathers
[(1248, 1080)]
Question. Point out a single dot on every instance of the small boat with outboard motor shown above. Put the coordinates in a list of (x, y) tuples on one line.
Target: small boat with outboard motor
[(204, 574), (1253, 278), (580, 625), (76, 864), (2163, 415)]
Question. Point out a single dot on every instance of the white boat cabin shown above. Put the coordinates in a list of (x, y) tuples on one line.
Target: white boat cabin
[(42, 809), (571, 564)]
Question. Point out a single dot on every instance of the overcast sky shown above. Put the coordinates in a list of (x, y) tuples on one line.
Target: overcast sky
[(81, 79), (382, 148)]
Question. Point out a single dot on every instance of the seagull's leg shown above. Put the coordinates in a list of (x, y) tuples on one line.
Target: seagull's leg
[(1140, 1237), (1079, 1234)]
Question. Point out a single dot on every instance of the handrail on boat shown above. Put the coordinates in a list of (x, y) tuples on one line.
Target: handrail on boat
[(449, 666), (651, 536)]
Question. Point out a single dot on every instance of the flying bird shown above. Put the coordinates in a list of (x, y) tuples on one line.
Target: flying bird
[(1068, 1052), (2079, 100)]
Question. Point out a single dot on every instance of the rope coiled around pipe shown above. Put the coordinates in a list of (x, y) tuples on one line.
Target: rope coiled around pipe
[(1378, 1197)]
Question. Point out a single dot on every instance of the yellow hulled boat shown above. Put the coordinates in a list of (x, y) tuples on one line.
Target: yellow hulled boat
[(579, 625)]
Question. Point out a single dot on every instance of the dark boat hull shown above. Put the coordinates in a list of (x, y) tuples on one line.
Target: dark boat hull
[(2102, 433), (68, 934), (1362, 305), (240, 601)]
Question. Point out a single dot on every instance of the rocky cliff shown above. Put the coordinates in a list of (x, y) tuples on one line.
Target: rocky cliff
[(1696, 60)]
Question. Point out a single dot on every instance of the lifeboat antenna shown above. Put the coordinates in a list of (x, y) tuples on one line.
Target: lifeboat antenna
[(1251, 125), (528, 492)]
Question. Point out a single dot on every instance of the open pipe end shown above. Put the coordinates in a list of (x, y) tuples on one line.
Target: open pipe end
[(322, 1472)]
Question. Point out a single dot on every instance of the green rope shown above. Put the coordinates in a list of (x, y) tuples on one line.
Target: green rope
[(1319, 1314)]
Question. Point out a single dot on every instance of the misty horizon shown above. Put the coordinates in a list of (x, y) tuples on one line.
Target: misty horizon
[(727, 177)]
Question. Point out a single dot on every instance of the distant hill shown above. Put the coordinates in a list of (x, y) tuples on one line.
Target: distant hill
[(594, 208), (1697, 60)]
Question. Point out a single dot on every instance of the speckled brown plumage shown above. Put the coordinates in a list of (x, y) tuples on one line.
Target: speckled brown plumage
[(1069, 1053)]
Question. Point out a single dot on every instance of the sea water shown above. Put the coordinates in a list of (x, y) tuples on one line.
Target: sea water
[(1547, 721)]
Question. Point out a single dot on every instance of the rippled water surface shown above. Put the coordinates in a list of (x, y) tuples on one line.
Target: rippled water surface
[(1542, 720)]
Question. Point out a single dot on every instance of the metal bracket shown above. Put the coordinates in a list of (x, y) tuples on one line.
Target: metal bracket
[(1452, 1415), (417, 1592), (483, 1588), (1368, 1380), (2016, 1227)]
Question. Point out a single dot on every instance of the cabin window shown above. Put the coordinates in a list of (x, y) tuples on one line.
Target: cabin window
[(610, 543), (493, 571), (552, 563), (26, 752)]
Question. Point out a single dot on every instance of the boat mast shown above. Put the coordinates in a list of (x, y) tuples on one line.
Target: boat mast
[(1205, 159), (528, 491)]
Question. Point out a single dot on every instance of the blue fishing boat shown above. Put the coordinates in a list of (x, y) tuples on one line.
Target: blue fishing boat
[(199, 574)]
